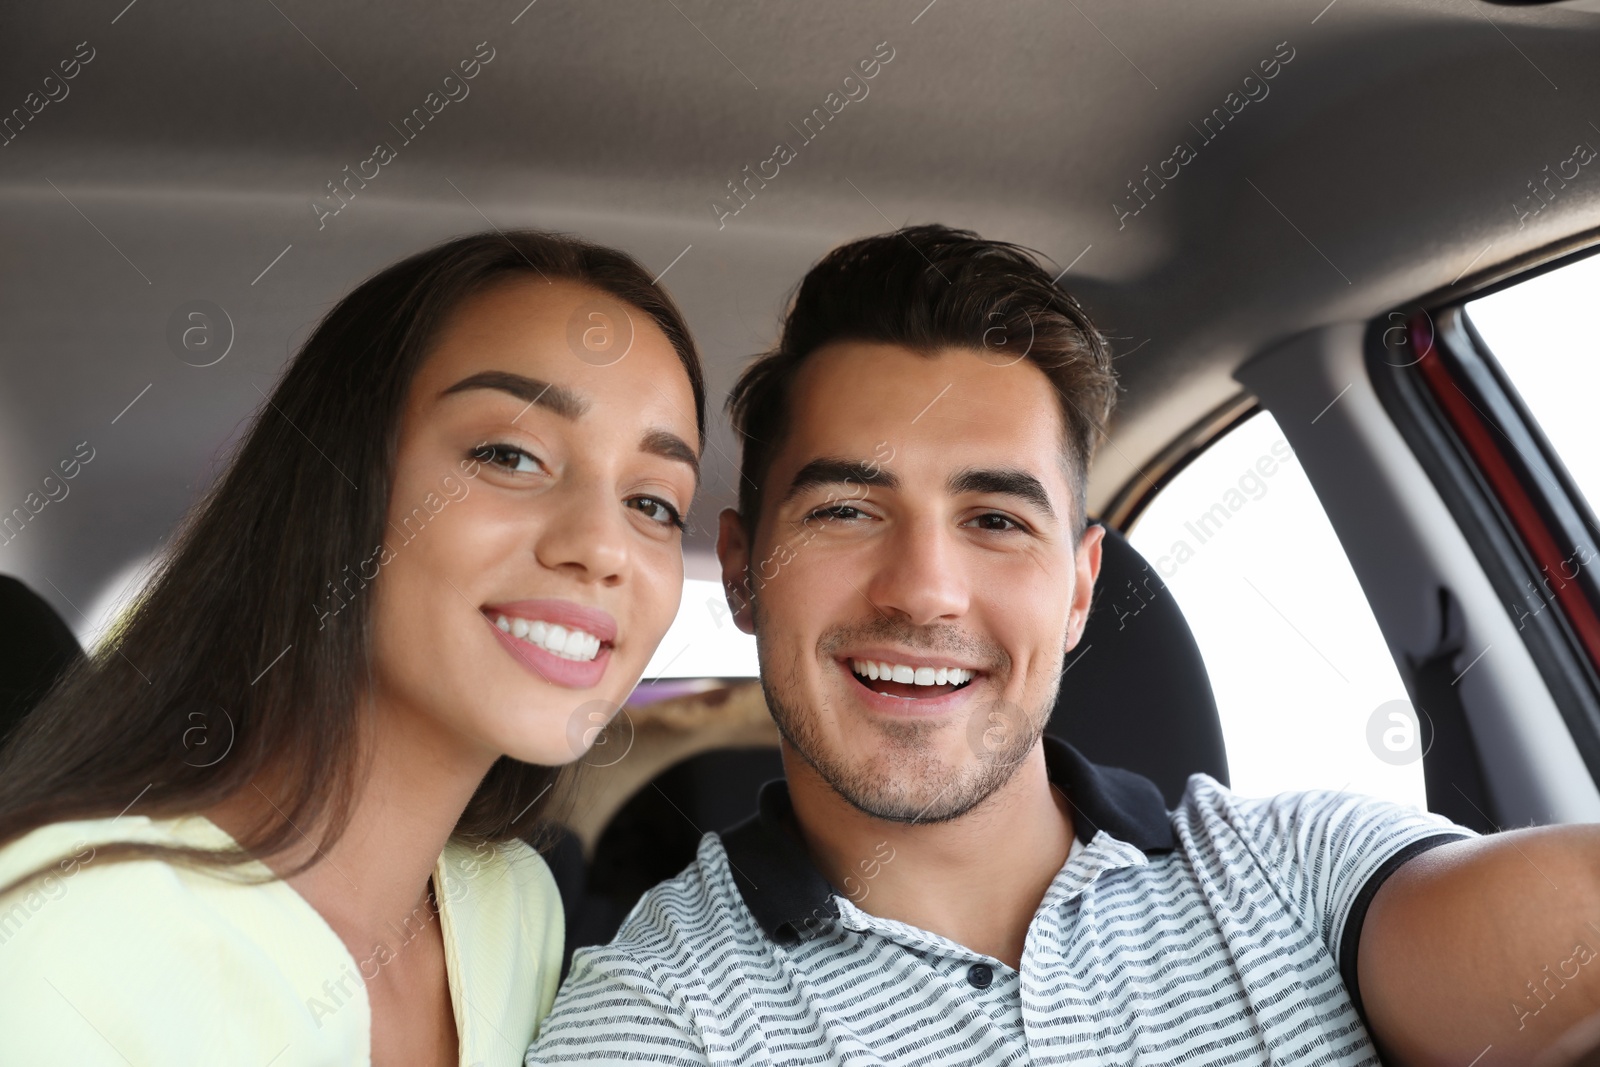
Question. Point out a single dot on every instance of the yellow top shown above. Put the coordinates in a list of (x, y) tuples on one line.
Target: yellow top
[(147, 963)]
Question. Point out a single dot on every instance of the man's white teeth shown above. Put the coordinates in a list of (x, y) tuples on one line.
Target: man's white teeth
[(899, 672), (568, 644)]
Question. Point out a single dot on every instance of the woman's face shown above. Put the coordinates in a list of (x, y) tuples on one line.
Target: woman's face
[(533, 557)]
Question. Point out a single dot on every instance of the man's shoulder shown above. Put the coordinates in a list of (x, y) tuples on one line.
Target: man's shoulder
[(1210, 809), (657, 988), (1319, 849), (681, 921)]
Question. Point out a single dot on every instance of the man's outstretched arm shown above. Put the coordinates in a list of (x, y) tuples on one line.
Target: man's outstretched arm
[(1485, 951)]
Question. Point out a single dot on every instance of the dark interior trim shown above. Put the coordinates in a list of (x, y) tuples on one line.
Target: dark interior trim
[(1410, 396), (1143, 486), (1551, 516), (1509, 272)]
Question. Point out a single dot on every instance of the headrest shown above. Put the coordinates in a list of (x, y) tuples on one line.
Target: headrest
[(35, 649), (1135, 692)]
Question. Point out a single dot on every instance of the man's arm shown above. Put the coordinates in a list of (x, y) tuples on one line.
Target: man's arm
[(1484, 951)]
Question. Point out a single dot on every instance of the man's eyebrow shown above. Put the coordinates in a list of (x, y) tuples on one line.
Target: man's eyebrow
[(832, 471), (1007, 481), (668, 445), (557, 398)]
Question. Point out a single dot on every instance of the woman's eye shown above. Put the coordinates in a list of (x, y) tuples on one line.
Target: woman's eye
[(657, 510), (508, 458)]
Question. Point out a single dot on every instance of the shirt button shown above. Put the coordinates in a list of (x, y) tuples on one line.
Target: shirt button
[(980, 975)]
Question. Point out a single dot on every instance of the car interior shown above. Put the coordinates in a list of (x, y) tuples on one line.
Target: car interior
[(1358, 229)]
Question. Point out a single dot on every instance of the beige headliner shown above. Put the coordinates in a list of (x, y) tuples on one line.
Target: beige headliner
[(1381, 165)]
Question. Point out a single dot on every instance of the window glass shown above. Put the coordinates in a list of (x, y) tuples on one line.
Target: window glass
[(1308, 695), (1545, 334), (703, 641)]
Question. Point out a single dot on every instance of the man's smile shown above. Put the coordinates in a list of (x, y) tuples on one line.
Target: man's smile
[(901, 682)]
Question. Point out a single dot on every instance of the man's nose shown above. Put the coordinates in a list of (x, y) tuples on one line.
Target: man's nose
[(919, 574)]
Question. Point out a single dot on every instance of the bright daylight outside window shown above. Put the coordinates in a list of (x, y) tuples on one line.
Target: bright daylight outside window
[(1545, 334), (703, 641), (1303, 679)]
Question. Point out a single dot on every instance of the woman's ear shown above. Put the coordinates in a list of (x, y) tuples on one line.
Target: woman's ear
[(733, 550)]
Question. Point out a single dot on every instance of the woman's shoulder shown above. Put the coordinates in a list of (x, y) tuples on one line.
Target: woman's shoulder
[(72, 897), (55, 859), (506, 920), (57, 851), (148, 958), (502, 882)]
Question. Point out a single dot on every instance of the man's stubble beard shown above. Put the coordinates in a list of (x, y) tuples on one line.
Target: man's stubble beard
[(907, 779)]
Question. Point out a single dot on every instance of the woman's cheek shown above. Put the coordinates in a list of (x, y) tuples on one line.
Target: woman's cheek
[(660, 597)]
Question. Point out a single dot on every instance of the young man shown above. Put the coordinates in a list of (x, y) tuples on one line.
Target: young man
[(937, 883)]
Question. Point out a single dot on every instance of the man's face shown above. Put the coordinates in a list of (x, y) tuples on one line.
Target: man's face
[(916, 525)]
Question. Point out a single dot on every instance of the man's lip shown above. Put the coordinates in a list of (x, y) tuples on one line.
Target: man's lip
[(561, 612), (909, 659), (912, 707)]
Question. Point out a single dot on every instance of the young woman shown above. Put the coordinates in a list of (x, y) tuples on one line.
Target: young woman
[(277, 818)]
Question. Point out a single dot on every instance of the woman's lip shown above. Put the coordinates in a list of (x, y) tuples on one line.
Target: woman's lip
[(557, 670), (561, 612)]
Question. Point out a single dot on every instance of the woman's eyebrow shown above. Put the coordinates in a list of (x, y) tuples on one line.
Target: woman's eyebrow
[(558, 398), (668, 445)]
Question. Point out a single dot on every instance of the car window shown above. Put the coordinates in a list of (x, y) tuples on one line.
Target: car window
[(1307, 692), (703, 641), (1545, 334)]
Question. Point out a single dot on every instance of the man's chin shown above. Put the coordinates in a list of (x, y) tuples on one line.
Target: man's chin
[(912, 808), (910, 788), (903, 771)]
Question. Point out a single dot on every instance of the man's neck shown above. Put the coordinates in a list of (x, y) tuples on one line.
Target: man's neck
[(976, 879)]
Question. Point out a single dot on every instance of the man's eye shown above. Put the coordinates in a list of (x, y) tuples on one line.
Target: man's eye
[(508, 458), (995, 521), (839, 512), (657, 510)]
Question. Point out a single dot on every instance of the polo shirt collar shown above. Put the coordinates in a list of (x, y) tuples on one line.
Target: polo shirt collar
[(793, 902), (1125, 805)]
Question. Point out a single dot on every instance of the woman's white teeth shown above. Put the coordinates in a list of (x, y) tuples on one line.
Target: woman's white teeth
[(568, 644), (899, 672)]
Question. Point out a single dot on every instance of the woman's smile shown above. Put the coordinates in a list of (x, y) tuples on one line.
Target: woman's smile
[(564, 643)]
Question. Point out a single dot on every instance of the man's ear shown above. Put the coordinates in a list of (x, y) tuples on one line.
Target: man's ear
[(734, 552), (1086, 571)]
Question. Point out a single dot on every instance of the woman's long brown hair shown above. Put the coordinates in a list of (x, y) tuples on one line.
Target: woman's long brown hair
[(227, 645)]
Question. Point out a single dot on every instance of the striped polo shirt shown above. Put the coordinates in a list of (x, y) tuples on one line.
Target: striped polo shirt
[(1222, 932)]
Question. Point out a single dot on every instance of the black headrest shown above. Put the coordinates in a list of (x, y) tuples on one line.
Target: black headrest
[(1135, 692), (35, 649)]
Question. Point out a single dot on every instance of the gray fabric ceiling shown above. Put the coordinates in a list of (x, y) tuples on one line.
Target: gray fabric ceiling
[(1383, 159)]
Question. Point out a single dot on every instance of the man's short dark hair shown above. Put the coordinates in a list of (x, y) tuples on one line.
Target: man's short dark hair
[(926, 288)]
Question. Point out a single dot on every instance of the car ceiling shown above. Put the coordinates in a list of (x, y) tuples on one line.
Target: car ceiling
[(1381, 164)]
